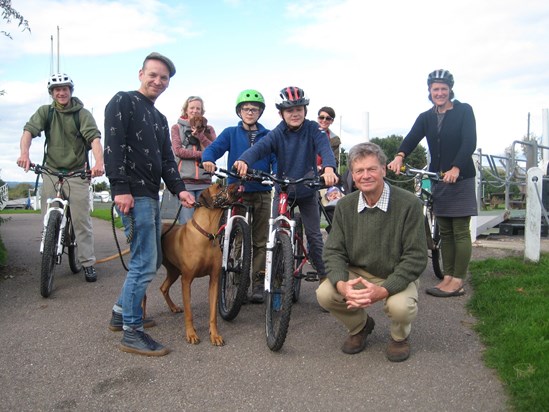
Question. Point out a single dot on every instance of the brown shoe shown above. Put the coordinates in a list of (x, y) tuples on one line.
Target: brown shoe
[(398, 351), (356, 343)]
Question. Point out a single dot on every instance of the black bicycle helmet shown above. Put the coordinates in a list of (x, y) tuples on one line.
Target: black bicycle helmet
[(291, 96), (440, 76)]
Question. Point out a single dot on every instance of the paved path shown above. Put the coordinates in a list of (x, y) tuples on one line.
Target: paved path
[(57, 353)]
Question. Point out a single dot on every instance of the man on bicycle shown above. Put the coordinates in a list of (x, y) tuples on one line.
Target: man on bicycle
[(296, 142), (70, 132), (376, 251), (250, 105)]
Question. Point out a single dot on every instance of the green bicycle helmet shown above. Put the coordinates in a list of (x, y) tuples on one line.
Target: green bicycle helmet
[(250, 96)]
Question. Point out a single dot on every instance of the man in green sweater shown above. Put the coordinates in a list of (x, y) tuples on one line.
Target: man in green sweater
[(376, 251)]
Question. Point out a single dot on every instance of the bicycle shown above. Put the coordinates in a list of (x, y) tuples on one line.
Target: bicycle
[(58, 232), (236, 245), (432, 229), (285, 257)]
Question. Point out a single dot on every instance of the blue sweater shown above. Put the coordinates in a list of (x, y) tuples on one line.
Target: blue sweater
[(295, 152), (235, 141)]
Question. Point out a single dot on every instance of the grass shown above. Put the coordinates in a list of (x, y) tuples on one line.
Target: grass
[(104, 212), (511, 303)]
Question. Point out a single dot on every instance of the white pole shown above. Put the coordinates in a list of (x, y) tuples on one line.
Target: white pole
[(367, 126), (532, 225), (545, 135)]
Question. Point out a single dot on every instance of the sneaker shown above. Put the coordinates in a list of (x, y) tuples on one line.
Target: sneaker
[(137, 341), (398, 351), (90, 274), (116, 322), (356, 343), (258, 294)]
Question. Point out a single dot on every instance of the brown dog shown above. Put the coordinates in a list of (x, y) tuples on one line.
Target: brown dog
[(192, 250), (199, 124)]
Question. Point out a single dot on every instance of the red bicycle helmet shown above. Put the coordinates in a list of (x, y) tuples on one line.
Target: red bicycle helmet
[(291, 96)]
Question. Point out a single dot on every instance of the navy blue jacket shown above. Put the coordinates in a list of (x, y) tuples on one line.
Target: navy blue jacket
[(453, 146), (295, 152)]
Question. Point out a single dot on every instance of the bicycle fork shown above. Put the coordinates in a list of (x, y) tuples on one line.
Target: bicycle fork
[(61, 236), (274, 227)]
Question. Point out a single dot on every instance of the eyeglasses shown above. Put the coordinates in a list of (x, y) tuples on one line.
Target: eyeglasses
[(251, 110), (328, 118)]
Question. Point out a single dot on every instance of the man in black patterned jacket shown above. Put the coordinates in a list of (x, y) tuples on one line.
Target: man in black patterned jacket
[(138, 154)]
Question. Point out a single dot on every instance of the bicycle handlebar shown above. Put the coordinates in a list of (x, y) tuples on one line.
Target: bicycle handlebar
[(410, 171), (268, 179), (40, 169), (265, 178)]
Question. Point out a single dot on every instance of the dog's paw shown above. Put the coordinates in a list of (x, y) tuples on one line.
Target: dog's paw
[(217, 340), (192, 338)]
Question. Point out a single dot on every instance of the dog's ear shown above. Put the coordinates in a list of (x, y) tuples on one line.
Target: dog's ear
[(206, 198)]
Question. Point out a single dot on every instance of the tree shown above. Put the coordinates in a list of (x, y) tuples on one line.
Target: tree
[(100, 186), (20, 191), (9, 14), (416, 159)]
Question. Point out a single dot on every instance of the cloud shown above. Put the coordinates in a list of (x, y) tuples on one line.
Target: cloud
[(98, 28)]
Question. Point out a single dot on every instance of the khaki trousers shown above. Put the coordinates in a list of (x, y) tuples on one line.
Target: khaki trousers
[(401, 308)]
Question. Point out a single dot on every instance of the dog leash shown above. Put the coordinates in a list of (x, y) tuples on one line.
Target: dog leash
[(128, 238)]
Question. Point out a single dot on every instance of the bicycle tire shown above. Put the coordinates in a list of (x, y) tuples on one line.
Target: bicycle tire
[(49, 254), (72, 246), (280, 296), (299, 255), (436, 252), (235, 279)]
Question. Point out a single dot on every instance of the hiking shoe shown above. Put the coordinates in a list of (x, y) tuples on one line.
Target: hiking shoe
[(356, 343), (398, 351), (116, 322), (137, 341), (90, 274), (258, 294)]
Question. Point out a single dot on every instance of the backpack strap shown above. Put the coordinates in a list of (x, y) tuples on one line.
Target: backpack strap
[(76, 117)]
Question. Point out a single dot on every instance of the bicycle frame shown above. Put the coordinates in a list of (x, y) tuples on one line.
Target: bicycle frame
[(424, 195), (232, 216), (281, 222), (57, 203), (63, 210)]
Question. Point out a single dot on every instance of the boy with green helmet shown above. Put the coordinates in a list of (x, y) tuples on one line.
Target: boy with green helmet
[(234, 140)]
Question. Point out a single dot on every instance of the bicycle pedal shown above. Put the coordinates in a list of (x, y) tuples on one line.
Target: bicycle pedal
[(311, 277)]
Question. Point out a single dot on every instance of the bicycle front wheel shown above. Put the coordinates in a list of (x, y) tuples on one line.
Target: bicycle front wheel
[(299, 255), (436, 252), (72, 246), (49, 254), (280, 297), (235, 277)]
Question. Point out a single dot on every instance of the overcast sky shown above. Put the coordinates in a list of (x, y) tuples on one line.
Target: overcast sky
[(357, 56)]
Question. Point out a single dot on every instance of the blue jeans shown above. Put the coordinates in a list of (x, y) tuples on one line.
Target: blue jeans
[(186, 213), (146, 258)]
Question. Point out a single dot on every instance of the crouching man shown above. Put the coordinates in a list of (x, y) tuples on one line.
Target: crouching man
[(376, 251)]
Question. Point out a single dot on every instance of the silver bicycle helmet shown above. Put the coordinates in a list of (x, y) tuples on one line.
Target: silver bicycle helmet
[(440, 76)]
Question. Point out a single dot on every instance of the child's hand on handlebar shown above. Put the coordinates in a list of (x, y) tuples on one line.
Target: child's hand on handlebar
[(241, 167), (209, 166)]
